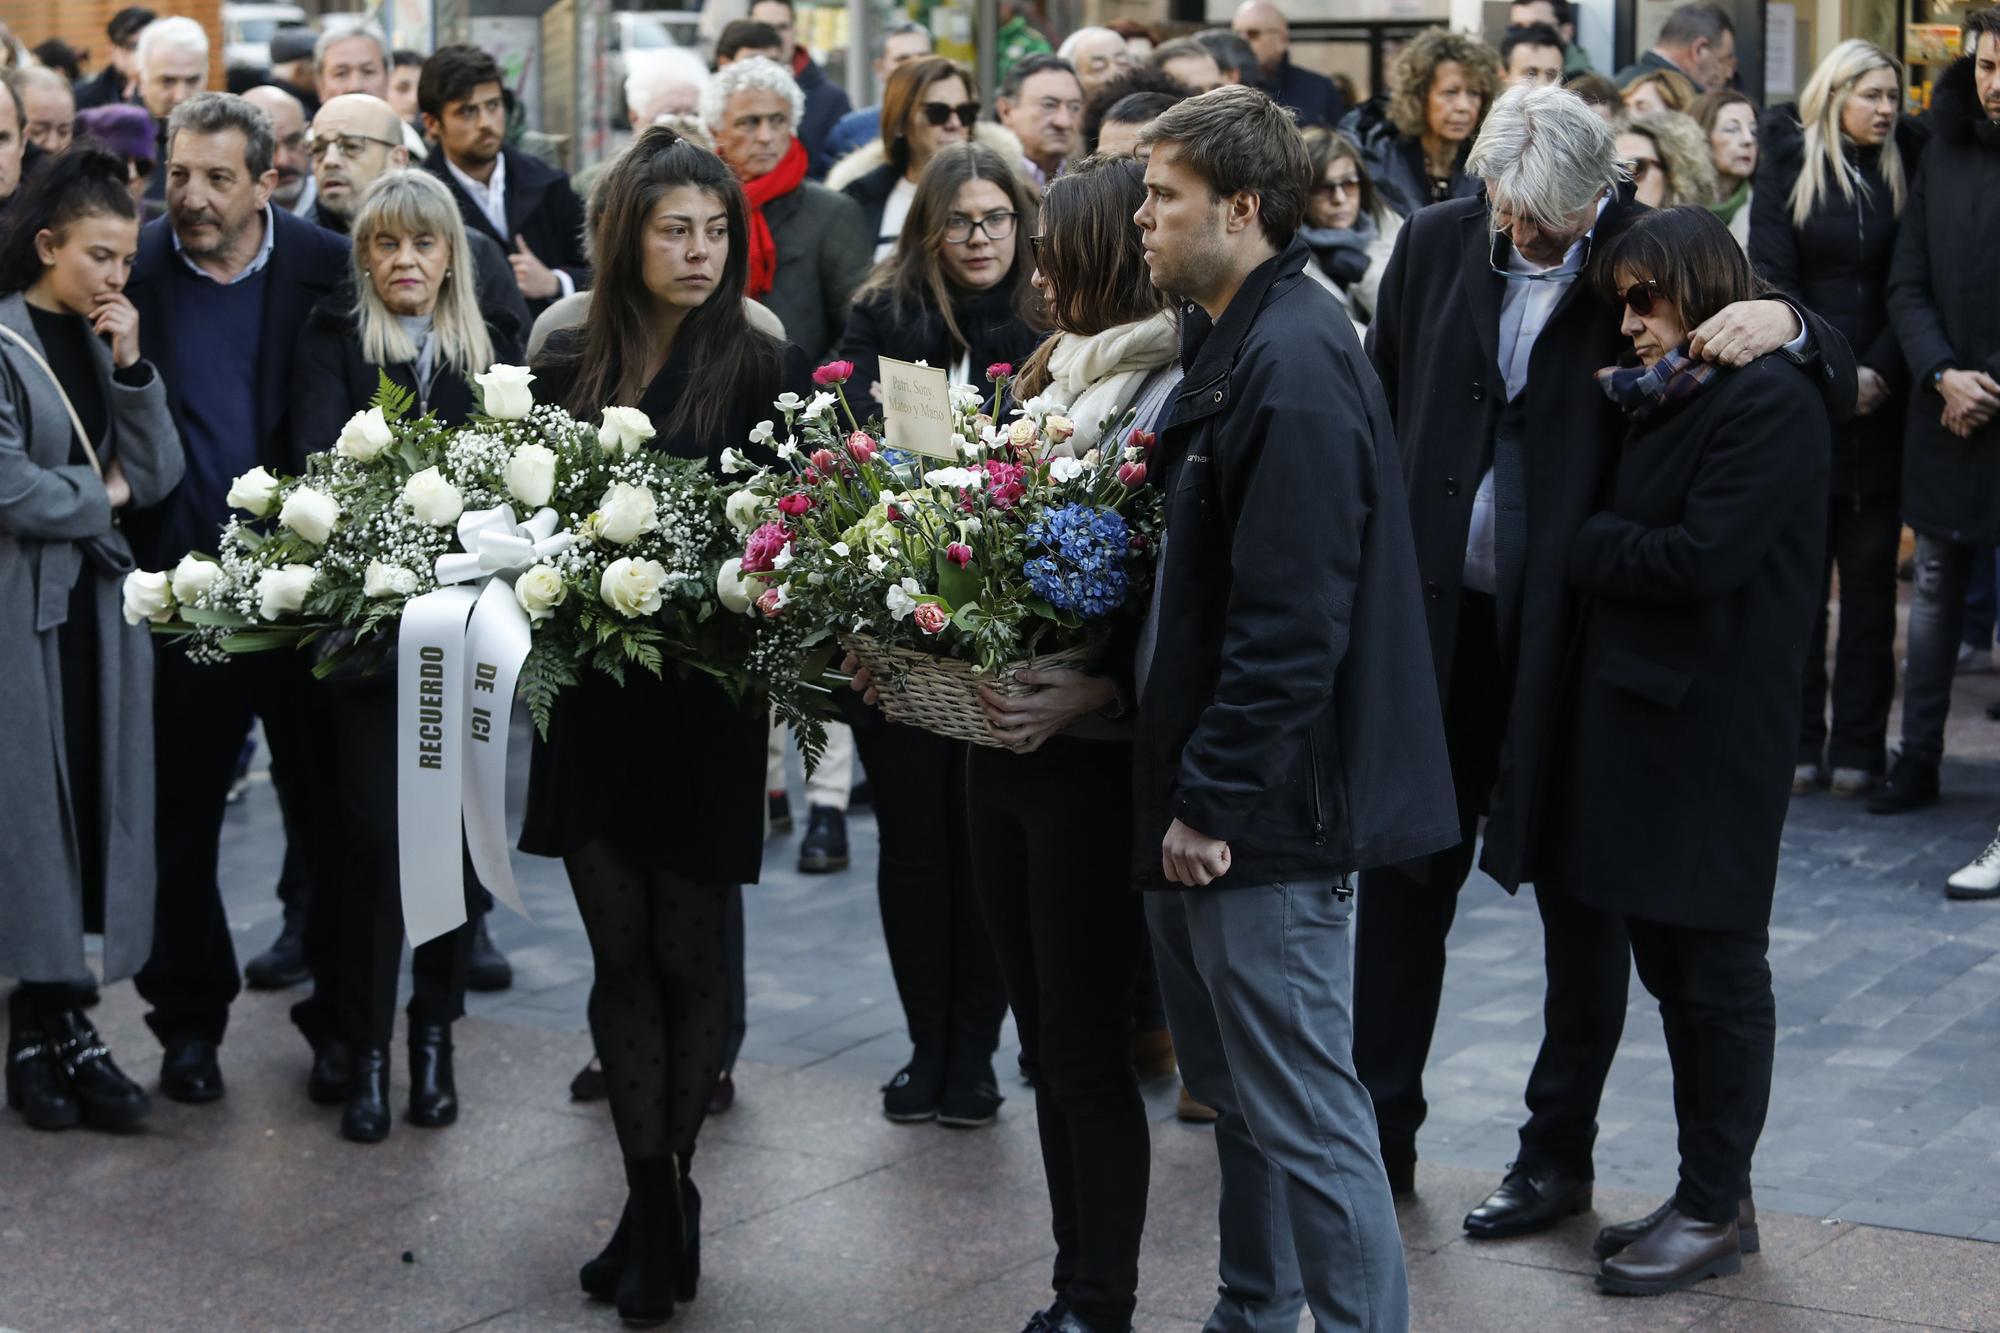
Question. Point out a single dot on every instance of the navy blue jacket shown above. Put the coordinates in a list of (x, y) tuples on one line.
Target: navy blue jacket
[(1311, 97), (826, 103), (542, 210)]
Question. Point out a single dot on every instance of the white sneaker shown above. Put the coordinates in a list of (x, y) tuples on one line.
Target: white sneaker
[(1852, 781), (1981, 879)]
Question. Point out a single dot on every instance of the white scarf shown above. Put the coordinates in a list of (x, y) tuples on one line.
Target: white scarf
[(1098, 376)]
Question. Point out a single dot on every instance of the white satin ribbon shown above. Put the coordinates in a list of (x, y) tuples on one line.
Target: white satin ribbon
[(455, 693)]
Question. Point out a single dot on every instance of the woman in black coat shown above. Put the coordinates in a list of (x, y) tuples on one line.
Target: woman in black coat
[(411, 313), (652, 792), (1701, 577), (955, 293), (1823, 231)]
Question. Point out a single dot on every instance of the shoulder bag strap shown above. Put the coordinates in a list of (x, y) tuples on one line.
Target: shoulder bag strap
[(74, 420)]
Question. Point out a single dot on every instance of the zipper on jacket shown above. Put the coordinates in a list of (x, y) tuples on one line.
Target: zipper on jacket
[(1312, 765)]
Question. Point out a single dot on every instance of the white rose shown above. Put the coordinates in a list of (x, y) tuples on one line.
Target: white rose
[(1060, 428), (731, 589), (902, 598), (504, 394), (1021, 434), (625, 512), (531, 473), (194, 576), (387, 580), (741, 510), (283, 591), (540, 591), (632, 587), (147, 597), (433, 499), (624, 430), (311, 514), (365, 435), (1065, 469), (253, 492)]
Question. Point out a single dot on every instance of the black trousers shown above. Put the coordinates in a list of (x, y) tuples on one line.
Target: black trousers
[(1721, 1021), (1050, 849), (200, 716), (946, 975), (1405, 913), (1862, 537)]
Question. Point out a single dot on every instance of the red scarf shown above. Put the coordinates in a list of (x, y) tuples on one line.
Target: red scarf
[(782, 179)]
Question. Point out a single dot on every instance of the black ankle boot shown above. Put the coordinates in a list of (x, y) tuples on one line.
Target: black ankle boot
[(599, 1277), (365, 1119), (105, 1097), (35, 1083), (653, 1254), (433, 1091)]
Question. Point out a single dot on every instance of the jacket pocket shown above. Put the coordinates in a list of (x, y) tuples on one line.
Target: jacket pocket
[(1644, 677)]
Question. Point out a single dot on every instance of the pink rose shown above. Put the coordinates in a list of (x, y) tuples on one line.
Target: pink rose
[(999, 370), (795, 504), (860, 446), (959, 554), (1131, 475), (824, 460), (771, 602), (930, 617), (832, 373), (760, 553)]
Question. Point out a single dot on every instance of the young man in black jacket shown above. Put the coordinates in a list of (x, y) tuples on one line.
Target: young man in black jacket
[(1287, 734)]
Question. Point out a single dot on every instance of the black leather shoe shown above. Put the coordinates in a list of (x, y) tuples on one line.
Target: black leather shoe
[(105, 1097), (1677, 1253), (824, 848), (433, 1090), (1619, 1235), (189, 1071), (1530, 1199), (913, 1094), (599, 1277), (971, 1098), (332, 1068), (489, 969), (365, 1119), (282, 965), (588, 1085), (1401, 1167), (35, 1083), (1911, 785)]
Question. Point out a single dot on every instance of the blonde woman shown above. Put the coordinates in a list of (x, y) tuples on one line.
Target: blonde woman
[(1667, 156), (411, 314), (1415, 148), (1661, 90), (1829, 200)]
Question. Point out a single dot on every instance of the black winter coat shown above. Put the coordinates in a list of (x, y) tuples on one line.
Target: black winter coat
[(871, 190), (824, 251), (1286, 709), (1435, 341), (542, 210), (492, 274), (878, 327), (1396, 164), (1311, 97), (1701, 579), (1944, 299), (826, 103), (669, 770), (1837, 266)]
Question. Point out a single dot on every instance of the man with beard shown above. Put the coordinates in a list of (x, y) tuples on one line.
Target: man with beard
[(294, 190), (524, 204), (223, 283)]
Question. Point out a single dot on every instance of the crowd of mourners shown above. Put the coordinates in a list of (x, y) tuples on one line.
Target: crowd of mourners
[(1516, 426)]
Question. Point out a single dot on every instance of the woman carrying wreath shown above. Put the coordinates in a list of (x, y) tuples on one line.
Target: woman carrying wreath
[(652, 792)]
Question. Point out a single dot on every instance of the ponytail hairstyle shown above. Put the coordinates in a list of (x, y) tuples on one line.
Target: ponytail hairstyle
[(83, 182), (1820, 107)]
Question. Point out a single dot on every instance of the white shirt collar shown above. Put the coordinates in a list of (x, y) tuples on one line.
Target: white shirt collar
[(490, 195)]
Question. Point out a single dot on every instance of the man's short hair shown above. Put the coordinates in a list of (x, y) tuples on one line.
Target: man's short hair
[(368, 30), (746, 35), (1232, 54), (1180, 48), (1544, 154), (1236, 138), (901, 28), (128, 23), (403, 58), (1139, 108), (751, 74), (1970, 27), (451, 75), (1692, 23), (1534, 34), (1562, 10), (172, 34), (1028, 67), (213, 113)]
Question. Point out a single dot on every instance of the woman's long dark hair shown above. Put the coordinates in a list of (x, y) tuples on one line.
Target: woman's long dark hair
[(913, 275), (721, 346), (1092, 257), (79, 183)]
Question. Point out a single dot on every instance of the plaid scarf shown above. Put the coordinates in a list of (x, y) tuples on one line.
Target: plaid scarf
[(1643, 390)]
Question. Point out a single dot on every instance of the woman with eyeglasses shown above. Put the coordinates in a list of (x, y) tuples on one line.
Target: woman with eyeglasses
[(1700, 578), (1351, 231), (1667, 156), (955, 293), (927, 104), (1828, 207)]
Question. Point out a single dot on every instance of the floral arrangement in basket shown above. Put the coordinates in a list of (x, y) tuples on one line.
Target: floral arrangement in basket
[(611, 550), (941, 575)]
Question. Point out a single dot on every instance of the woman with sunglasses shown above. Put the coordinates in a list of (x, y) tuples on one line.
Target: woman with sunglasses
[(1351, 230), (955, 293), (1700, 581), (927, 104)]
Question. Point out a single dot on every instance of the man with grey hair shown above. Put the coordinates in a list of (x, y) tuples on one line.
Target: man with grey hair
[(351, 60), (896, 45), (172, 58), (49, 105), (222, 284), (1098, 55), (1485, 338)]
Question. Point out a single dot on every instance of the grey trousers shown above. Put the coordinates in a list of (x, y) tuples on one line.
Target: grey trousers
[(1258, 983), (1937, 613)]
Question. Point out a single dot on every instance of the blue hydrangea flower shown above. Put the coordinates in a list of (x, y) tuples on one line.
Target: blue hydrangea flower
[(1080, 565)]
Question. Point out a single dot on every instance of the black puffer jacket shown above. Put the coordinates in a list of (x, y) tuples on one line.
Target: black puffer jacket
[(1837, 266), (879, 327), (1396, 163)]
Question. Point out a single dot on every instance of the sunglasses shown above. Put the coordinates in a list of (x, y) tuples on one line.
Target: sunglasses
[(1641, 297), (940, 113), (1643, 167)]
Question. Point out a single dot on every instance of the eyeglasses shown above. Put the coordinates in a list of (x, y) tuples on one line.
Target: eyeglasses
[(1563, 274), (1641, 297), (958, 228), (1334, 189), (940, 113), (350, 145)]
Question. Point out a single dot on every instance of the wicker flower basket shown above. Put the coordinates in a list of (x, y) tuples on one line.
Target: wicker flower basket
[(941, 694)]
